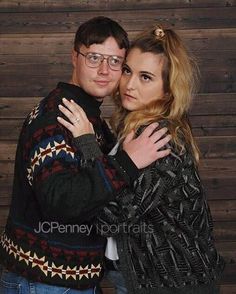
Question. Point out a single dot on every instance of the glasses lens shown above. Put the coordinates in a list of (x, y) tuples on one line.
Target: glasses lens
[(115, 62), (93, 59)]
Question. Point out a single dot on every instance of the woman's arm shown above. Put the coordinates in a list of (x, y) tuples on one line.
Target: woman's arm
[(134, 204), (142, 150)]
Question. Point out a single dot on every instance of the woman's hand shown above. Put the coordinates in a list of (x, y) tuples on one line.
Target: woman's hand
[(78, 123), (147, 147)]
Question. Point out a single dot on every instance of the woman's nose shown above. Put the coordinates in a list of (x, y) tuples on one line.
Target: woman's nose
[(131, 83)]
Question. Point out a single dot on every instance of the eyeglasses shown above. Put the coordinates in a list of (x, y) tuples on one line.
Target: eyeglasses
[(93, 59)]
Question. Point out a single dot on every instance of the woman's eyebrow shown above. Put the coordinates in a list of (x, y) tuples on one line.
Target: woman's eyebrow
[(147, 72)]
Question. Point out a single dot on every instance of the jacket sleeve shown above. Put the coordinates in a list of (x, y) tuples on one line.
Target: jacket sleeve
[(68, 186), (133, 204)]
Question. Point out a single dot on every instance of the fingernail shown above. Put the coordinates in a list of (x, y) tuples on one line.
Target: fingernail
[(60, 106), (64, 99), (71, 100), (58, 117)]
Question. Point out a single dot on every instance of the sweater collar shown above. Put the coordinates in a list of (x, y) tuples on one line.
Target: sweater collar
[(89, 103)]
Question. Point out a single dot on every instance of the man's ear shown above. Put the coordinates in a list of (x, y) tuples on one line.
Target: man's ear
[(74, 56)]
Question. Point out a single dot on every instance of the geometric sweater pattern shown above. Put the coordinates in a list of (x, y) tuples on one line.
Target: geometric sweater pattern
[(57, 193)]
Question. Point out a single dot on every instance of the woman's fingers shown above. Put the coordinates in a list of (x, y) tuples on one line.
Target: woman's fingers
[(74, 108), (65, 123), (162, 142), (149, 129), (157, 135), (79, 109), (67, 113)]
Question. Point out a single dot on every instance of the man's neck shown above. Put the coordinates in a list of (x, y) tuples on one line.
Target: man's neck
[(99, 99)]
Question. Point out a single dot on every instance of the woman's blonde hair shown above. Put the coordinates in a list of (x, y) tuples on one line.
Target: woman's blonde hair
[(179, 76)]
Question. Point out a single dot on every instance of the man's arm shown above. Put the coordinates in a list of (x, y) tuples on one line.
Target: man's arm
[(67, 190)]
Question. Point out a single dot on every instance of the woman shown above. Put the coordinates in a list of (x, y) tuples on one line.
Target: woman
[(163, 224)]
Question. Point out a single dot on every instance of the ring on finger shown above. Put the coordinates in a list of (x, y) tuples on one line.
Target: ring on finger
[(77, 120)]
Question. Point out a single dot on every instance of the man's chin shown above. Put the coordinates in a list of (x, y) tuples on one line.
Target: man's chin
[(100, 95)]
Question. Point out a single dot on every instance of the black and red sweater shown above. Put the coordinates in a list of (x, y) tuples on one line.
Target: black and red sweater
[(57, 192)]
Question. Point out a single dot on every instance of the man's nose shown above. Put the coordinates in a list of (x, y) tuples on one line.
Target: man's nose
[(103, 67)]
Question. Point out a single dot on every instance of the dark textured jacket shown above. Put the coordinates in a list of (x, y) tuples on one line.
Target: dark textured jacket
[(163, 229), (55, 188)]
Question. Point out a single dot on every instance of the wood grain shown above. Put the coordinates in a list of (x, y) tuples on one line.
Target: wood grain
[(36, 40)]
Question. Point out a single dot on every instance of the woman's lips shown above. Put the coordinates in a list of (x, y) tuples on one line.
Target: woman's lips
[(129, 97)]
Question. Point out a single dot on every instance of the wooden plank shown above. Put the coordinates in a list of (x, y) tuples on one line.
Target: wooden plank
[(225, 231), (24, 84), (217, 147), (10, 129), (214, 168), (71, 5), (210, 147), (218, 187), (229, 274), (3, 215), (51, 44), (15, 82), (227, 250), (225, 289), (187, 18), (223, 210), (203, 104), (213, 104), (218, 177), (208, 168), (225, 61), (17, 107), (215, 125)]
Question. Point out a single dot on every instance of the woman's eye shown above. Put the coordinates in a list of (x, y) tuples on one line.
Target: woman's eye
[(125, 70), (146, 78)]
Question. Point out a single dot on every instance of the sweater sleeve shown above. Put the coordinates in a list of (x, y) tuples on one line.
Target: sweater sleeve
[(89, 149), (67, 186)]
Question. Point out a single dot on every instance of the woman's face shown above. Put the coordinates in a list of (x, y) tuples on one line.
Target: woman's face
[(141, 81)]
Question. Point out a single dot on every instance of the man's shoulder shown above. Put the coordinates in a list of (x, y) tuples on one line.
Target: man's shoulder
[(47, 106)]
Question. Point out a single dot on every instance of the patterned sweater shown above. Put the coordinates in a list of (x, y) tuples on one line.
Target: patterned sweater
[(48, 237), (163, 228)]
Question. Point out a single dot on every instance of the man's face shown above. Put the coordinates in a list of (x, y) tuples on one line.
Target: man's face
[(102, 80)]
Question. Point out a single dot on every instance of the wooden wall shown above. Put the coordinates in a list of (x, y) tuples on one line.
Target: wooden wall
[(35, 44)]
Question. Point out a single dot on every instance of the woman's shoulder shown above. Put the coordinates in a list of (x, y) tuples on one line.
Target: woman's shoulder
[(161, 124)]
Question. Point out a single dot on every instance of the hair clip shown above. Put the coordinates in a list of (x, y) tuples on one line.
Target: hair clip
[(159, 32)]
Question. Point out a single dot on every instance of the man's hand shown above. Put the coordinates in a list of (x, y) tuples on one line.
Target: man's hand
[(145, 148)]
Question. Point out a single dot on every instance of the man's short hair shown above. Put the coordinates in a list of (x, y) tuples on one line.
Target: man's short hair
[(97, 30)]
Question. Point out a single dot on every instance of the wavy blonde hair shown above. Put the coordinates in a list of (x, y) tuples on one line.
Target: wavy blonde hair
[(179, 74)]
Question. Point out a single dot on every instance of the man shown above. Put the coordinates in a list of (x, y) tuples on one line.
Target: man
[(49, 243)]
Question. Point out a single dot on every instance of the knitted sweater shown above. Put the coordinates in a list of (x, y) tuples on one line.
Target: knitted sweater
[(48, 237), (163, 228)]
